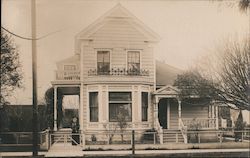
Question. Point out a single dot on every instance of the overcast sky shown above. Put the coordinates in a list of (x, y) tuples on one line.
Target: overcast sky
[(188, 30)]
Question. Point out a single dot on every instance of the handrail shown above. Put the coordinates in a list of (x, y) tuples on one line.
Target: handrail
[(160, 130), (183, 129), (68, 75)]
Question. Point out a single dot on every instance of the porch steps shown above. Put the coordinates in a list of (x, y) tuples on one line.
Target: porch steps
[(172, 136)]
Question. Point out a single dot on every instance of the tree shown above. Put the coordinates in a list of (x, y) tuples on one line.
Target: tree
[(228, 82), (239, 126), (10, 68), (192, 83), (122, 122), (235, 74), (244, 5)]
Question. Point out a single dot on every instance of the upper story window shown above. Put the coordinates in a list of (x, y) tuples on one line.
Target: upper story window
[(103, 62), (69, 67), (133, 61)]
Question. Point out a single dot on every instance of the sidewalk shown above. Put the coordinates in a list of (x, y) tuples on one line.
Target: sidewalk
[(140, 153)]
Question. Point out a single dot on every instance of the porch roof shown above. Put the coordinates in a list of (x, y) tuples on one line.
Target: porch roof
[(167, 90)]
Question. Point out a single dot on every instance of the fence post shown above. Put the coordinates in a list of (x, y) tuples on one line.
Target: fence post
[(108, 139), (133, 142), (154, 137), (50, 140), (47, 139), (242, 136), (199, 138), (176, 137), (220, 137)]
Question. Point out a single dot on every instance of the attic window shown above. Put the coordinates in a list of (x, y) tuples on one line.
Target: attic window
[(69, 67)]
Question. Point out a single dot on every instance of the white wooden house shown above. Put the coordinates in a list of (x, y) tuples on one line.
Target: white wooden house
[(113, 71)]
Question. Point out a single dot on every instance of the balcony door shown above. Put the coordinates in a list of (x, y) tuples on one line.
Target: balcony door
[(103, 62)]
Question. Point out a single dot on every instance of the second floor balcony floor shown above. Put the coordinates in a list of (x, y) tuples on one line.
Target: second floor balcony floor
[(75, 75)]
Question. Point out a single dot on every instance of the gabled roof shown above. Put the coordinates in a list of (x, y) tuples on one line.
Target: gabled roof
[(166, 74), (167, 90), (71, 59), (118, 13)]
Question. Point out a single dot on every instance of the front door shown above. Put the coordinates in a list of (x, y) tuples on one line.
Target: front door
[(162, 113)]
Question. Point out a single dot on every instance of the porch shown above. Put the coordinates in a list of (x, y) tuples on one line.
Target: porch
[(67, 100), (172, 113)]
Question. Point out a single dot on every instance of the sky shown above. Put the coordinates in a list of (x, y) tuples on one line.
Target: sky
[(188, 30)]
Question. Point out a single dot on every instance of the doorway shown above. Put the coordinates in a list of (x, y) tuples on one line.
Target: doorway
[(70, 110), (163, 113)]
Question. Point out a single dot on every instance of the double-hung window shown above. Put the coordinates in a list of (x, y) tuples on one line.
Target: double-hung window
[(93, 106), (120, 106), (69, 67), (103, 62), (133, 62), (144, 106)]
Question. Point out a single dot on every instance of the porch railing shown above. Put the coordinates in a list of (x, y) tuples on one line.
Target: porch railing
[(204, 123), (68, 75), (66, 139), (160, 131)]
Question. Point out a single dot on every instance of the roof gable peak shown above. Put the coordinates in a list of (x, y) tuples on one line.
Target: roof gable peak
[(118, 12)]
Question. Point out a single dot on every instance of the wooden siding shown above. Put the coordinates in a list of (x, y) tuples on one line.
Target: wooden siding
[(118, 36), (187, 112), (85, 107), (191, 111)]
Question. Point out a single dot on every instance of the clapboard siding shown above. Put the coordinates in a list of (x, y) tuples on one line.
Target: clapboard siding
[(118, 36), (85, 106), (194, 111), (118, 29)]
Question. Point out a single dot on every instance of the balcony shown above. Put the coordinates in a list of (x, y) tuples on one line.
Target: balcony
[(119, 72), (68, 75)]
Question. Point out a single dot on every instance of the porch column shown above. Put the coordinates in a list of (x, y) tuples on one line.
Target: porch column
[(156, 119), (179, 112), (216, 117), (55, 108), (80, 113)]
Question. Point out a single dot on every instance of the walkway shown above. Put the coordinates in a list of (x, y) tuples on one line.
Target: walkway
[(68, 153)]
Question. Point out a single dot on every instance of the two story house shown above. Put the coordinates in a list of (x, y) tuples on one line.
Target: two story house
[(114, 73)]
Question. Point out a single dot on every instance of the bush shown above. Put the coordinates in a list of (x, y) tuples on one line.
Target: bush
[(148, 135)]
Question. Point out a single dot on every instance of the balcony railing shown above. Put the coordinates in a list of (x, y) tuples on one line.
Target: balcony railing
[(68, 75), (119, 72)]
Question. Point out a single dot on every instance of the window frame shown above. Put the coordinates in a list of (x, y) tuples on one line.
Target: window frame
[(69, 65), (142, 107), (120, 102), (97, 107), (110, 53), (140, 56)]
